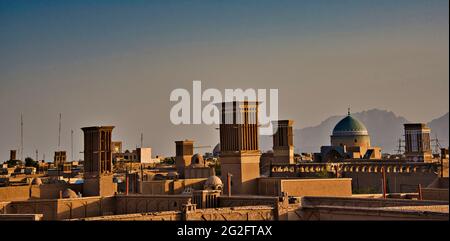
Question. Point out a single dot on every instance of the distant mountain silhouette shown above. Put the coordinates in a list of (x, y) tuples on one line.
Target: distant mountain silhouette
[(385, 128), (439, 128)]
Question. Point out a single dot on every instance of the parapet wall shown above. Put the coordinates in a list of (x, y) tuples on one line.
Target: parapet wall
[(149, 203), (253, 213), (435, 194), (166, 187), (240, 201), (334, 208), (366, 202), (297, 187), (73, 208), (45, 191)]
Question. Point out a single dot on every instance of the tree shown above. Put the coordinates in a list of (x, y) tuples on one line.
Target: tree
[(168, 160), (29, 162), (13, 163)]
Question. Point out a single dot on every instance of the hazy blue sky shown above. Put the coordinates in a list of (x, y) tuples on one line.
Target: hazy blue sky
[(116, 62)]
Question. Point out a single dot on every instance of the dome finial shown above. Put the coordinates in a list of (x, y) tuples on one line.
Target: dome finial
[(348, 113)]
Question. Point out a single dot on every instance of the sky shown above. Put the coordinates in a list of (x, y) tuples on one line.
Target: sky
[(116, 63)]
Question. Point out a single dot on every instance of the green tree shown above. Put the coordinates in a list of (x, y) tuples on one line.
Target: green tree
[(13, 163), (168, 160), (29, 162)]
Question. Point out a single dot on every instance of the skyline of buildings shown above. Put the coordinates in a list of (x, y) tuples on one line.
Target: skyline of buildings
[(56, 57), (224, 111)]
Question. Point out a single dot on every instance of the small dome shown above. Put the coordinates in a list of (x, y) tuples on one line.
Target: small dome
[(349, 126), (69, 193), (197, 159), (172, 174), (213, 183), (36, 181)]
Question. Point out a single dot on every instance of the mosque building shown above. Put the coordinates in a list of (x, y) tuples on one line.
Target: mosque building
[(349, 140)]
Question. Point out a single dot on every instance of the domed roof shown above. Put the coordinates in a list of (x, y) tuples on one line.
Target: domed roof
[(172, 174), (36, 181), (213, 182), (197, 159), (349, 126), (69, 193)]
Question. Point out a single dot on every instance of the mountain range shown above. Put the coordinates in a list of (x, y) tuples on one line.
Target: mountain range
[(385, 129)]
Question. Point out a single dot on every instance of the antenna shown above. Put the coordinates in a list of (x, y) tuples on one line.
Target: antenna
[(37, 155), (71, 144), (59, 132), (437, 145), (21, 137), (400, 146), (142, 140)]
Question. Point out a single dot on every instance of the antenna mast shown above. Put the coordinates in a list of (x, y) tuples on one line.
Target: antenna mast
[(437, 145), (400, 146), (142, 140), (21, 137), (59, 132), (71, 144)]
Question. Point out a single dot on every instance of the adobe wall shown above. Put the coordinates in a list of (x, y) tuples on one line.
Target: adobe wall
[(166, 187), (435, 194), (342, 208), (269, 186), (370, 182), (317, 187), (155, 187), (102, 185), (342, 214), (58, 209), (14, 193), (3, 207), (149, 203), (154, 216), (252, 213), (366, 202), (52, 191), (178, 186), (240, 201), (20, 217), (198, 172), (85, 207), (47, 207), (305, 187), (45, 191)]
